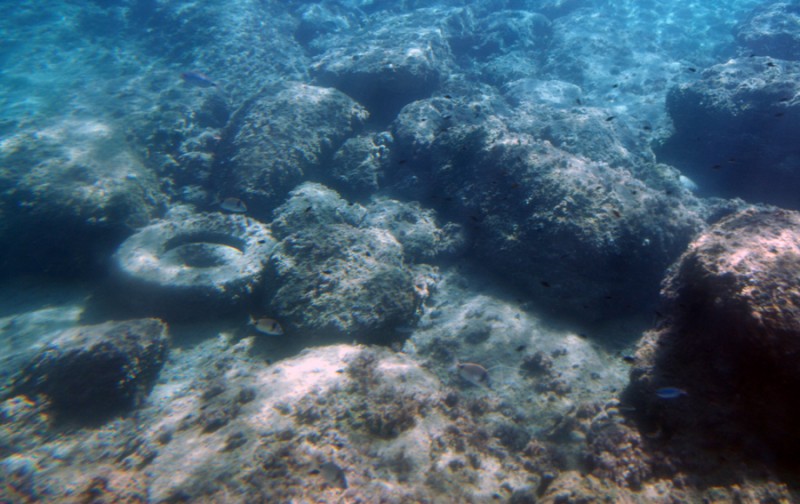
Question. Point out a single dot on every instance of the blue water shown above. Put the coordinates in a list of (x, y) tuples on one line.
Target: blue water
[(500, 182)]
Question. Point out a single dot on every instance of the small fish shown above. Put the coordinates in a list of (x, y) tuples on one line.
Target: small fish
[(670, 392), (610, 118), (267, 326), (473, 373), (198, 79), (692, 69), (333, 474), (234, 205)]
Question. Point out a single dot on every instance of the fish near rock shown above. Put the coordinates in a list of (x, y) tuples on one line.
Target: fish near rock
[(198, 79), (473, 373), (267, 326), (233, 205)]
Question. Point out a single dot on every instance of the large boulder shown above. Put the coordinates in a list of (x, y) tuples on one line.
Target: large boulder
[(772, 30), (727, 350), (281, 137), (584, 236), (68, 193), (90, 372), (736, 130), (340, 280), (392, 63)]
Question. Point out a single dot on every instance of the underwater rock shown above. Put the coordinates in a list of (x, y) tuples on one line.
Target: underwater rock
[(68, 193), (90, 372), (771, 30), (365, 415), (730, 339), (360, 163), (736, 130), (313, 205), (583, 237), (318, 21), (191, 265), (341, 281), (281, 137), (234, 46), (416, 228), (508, 45), (397, 60)]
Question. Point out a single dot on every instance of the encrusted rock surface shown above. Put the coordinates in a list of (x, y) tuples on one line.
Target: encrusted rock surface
[(342, 280), (736, 129), (93, 371), (772, 30), (730, 340), (583, 235), (68, 192), (384, 67), (280, 138)]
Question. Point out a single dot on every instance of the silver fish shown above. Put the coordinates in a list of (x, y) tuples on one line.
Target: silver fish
[(473, 373), (198, 79), (234, 205), (267, 326)]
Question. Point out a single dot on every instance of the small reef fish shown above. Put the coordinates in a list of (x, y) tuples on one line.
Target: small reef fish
[(670, 392), (234, 205), (333, 475), (473, 373), (198, 79), (267, 326)]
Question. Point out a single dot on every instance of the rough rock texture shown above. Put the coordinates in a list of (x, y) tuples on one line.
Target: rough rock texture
[(507, 45), (313, 205), (342, 280), (280, 138), (236, 47), (390, 64), (731, 339), (772, 30), (416, 228), (342, 269), (583, 235), (337, 422), (736, 130), (358, 167), (93, 371), (192, 263), (68, 193)]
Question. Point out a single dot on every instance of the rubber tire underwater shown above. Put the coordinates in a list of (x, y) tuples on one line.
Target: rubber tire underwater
[(208, 263)]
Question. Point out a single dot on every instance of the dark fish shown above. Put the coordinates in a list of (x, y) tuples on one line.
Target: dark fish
[(716, 167), (545, 283), (692, 69), (520, 348), (198, 79), (630, 359), (610, 118), (670, 392)]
